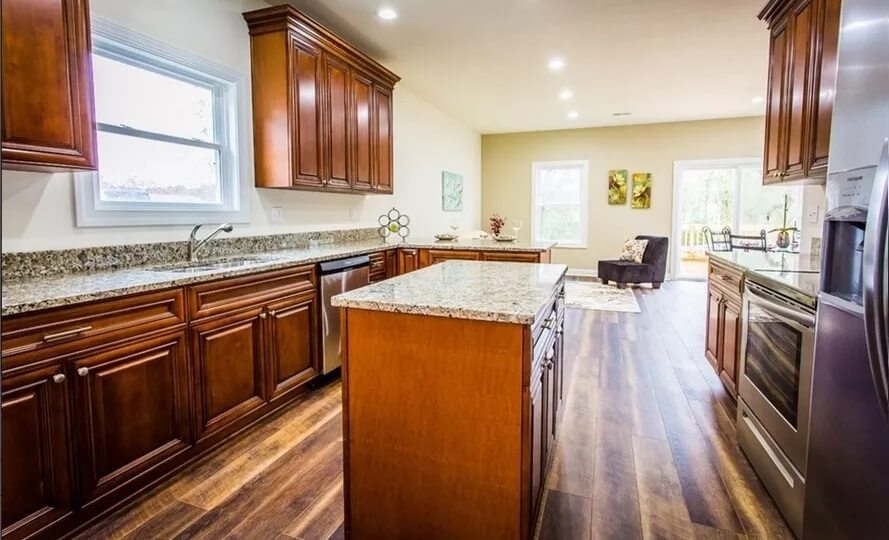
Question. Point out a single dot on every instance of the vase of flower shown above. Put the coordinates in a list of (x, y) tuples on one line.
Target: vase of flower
[(497, 222)]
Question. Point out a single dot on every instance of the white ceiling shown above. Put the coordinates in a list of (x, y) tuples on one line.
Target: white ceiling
[(484, 61)]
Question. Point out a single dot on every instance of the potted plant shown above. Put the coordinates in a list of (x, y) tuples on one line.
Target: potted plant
[(497, 222)]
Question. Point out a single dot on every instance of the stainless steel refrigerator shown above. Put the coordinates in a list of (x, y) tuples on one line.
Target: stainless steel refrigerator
[(847, 483)]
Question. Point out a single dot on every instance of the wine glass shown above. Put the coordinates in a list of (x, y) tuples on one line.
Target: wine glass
[(516, 227)]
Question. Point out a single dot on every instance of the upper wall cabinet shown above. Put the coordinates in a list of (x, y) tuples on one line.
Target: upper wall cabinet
[(322, 110), (802, 79), (48, 117)]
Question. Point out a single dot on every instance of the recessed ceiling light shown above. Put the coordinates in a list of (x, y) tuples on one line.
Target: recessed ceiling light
[(621, 114), (757, 100), (557, 63), (387, 13), (572, 115), (566, 94)]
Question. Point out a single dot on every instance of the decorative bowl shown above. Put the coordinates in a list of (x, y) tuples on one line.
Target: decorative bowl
[(447, 237), (505, 238)]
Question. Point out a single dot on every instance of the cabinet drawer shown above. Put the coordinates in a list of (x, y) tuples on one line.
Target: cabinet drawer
[(378, 270), (510, 256), (728, 279), (223, 296), (97, 323)]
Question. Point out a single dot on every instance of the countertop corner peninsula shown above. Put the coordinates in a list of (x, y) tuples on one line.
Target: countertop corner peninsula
[(452, 385)]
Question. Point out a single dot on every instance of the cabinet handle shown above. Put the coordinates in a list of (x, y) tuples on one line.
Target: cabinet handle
[(58, 378), (548, 323), (66, 334), (82, 371), (726, 278)]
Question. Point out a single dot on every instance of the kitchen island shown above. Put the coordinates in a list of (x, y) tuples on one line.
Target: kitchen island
[(452, 381)]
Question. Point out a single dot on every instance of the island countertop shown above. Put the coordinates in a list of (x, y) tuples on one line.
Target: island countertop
[(485, 291)]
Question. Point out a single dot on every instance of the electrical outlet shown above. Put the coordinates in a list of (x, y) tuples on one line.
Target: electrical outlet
[(277, 214), (813, 215)]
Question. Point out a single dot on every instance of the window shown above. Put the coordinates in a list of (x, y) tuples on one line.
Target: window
[(167, 136), (559, 199)]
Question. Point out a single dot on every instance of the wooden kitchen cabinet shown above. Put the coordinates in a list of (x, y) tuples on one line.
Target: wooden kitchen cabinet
[(723, 335), (131, 412), (48, 113), (37, 477), (802, 80), (293, 356), (432, 256), (382, 142), (408, 260), (229, 365), (322, 109)]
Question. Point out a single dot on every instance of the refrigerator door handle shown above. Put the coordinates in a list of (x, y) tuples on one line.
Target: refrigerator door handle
[(874, 281)]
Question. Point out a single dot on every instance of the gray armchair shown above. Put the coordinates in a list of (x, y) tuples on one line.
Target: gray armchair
[(652, 269)]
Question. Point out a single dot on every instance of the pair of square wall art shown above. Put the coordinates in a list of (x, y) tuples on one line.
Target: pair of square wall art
[(617, 188)]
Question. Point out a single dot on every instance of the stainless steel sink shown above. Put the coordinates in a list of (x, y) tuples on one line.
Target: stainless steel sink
[(206, 266)]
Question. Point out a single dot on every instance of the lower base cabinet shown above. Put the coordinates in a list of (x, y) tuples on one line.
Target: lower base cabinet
[(36, 476), (131, 411), (228, 357), (722, 345), (115, 403), (292, 352)]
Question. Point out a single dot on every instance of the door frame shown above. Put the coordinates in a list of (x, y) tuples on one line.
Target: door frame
[(679, 166)]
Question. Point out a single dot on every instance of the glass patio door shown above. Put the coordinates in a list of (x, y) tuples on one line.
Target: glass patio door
[(724, 193)]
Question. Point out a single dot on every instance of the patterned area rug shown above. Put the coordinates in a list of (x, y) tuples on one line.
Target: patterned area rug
[(594, 295)]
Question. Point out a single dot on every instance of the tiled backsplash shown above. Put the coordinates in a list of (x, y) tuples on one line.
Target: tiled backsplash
[(69, 261)]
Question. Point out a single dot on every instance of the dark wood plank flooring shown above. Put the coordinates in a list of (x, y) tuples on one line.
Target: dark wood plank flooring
[(647, 449)]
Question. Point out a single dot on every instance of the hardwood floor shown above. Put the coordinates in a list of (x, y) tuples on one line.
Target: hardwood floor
[(646, 449)]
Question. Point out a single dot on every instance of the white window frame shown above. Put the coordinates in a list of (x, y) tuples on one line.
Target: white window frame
[(124, 45), (584, 203)]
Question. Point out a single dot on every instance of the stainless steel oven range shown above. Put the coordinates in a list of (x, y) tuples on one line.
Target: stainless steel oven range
[(777, 351)]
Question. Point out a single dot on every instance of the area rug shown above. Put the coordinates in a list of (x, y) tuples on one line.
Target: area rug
[(594, 295)]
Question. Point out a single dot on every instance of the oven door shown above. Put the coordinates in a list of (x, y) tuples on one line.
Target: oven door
[(778, 343)]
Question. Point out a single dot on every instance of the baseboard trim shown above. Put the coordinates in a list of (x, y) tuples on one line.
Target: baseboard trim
[(581, 272)]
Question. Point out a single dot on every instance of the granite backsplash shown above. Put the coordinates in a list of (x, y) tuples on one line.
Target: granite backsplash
[(22, 265)]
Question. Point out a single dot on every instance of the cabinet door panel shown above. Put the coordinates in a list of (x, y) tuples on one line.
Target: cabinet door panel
[(510, 256), (827, 42), (731, 344), (383, 142), (337, 137), (36, 474), (293, 355), (797, 105), (714, 306), (538, 443), (551, 404), (774, 162), (306, 68), (132, 410), (362, 132), (48, 117), (228, 362), (408, 260)]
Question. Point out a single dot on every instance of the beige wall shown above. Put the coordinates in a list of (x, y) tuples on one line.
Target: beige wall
[(506, 173), (38, 209)]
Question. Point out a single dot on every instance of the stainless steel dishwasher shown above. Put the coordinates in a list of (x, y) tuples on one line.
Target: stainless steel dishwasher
[(338, 277)]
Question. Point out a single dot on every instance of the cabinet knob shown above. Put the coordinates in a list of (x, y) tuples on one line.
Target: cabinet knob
[(58, 378), (262, 315), (82, 371), (272, 312)]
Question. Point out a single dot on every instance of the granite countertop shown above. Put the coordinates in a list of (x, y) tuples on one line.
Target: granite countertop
[(484, 291), (31, 294), (482, 244), (794, 272)]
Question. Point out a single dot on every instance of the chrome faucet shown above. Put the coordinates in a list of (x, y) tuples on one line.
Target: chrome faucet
[(194, 245)]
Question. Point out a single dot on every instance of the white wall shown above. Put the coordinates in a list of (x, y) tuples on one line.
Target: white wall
[(38, 208)]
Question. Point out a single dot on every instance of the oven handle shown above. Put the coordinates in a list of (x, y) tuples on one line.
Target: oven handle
[(799, 317)]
